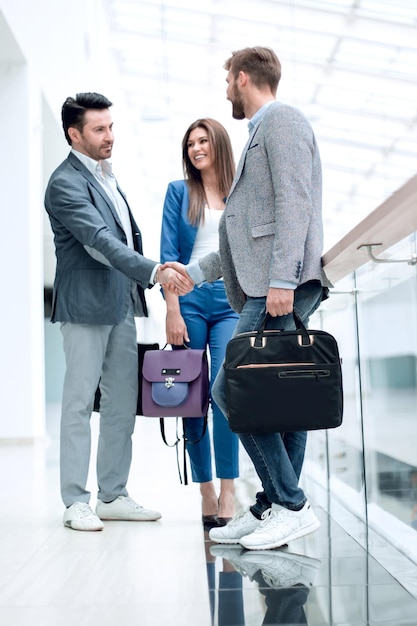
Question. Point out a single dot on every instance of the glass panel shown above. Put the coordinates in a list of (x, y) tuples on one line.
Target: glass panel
[(387, 311), (370, 461), (338, 454)]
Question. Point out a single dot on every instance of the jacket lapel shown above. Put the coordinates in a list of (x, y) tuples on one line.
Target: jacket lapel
[(242, 159), (76, 163)]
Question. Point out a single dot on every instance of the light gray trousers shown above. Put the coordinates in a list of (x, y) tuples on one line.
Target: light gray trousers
[(92, 352)]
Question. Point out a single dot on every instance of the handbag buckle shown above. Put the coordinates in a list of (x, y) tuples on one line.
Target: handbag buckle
[(169, 382), (305, 344), (255, 342)]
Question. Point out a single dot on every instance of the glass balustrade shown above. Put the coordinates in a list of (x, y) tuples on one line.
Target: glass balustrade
[(365, 471)]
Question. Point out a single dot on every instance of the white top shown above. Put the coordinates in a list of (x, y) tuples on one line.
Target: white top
[(207, 239)]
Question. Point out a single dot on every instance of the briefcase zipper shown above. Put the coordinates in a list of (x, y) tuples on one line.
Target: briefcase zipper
[(304, 374), (258, 365)]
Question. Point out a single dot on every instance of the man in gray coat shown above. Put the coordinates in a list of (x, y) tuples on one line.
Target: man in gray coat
[(270, 257), (101, 275)]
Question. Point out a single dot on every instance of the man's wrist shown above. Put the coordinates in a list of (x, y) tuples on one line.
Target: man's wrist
[(195, 272), (156, 274)]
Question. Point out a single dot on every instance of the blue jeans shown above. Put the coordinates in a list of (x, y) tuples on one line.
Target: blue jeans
[(210, 322), (278, 457)]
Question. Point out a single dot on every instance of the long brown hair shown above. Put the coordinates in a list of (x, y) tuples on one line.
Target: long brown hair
[(224, 166)]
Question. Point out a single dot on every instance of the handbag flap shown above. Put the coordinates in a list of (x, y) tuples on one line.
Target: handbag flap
[(184, 365), (169, 395)]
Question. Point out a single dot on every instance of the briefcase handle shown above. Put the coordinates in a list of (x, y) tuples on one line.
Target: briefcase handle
[(305, 339)]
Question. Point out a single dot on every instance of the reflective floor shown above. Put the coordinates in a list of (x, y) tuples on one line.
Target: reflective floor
[(168, 572)]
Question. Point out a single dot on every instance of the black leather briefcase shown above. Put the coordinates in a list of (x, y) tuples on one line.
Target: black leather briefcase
[(283, 381)]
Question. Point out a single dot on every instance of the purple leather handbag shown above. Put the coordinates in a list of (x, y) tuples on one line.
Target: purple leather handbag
[(175, 383)]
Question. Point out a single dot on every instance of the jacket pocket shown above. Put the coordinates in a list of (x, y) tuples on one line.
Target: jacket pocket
[(261, 230), (89, 291)]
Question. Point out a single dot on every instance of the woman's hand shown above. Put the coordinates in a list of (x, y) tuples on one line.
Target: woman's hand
[(176, 329)]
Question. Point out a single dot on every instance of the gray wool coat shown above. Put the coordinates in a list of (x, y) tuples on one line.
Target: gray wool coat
[(271, 227)]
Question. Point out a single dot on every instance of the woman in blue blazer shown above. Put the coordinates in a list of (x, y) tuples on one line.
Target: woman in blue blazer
[(203, 318)]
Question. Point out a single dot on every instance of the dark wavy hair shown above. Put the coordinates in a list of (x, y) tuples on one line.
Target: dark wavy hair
[(74, 109)]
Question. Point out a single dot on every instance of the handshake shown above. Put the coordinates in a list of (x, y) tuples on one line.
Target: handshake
[(174, 278)]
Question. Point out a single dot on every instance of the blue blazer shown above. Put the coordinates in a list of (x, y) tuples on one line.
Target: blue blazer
[(177, 234), (95, 266)]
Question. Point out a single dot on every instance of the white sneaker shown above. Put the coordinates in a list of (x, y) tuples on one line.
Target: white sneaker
[(280, 526), (282, 569), (125, 508), (79, 516), (235, 555), (240, 525)]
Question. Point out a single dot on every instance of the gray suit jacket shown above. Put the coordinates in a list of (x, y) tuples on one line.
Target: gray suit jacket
[(87, 290), (271, 228)]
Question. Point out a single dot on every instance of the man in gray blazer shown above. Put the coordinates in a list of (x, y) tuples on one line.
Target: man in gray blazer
[(270, 258), (101, 275)]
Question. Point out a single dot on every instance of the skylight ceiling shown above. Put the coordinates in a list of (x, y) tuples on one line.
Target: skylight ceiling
[(350, 66)]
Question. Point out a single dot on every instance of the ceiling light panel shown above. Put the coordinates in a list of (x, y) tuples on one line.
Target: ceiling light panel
[(349, 65), (367, 102), (401, 12), (371, 56)]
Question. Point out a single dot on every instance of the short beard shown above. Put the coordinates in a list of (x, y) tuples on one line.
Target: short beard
[(237, 112)]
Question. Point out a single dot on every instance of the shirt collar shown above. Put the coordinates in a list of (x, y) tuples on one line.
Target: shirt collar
[(101, 168), (104, 168), (255, 119)]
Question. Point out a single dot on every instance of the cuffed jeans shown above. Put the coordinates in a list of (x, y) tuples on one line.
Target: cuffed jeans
[(210, 323), (278, 457)]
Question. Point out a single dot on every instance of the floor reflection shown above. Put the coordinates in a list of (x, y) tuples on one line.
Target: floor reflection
[(283, 580), (169, 573)]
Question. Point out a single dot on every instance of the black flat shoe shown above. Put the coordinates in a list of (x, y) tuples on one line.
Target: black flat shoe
[(212, 521), (224, 520)]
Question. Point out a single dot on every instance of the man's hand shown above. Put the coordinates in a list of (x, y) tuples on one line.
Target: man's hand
[(279, 301), (173, 277)]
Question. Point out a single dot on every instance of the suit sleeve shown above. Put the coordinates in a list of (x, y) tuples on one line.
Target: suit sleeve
[(289, 144), (78, 211)]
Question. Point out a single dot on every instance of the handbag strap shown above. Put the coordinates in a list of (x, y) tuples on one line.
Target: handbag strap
[(183, 346), (171, 445), (298, 324), (177, 441)]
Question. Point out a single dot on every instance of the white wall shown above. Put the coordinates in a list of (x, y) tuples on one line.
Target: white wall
[(49, 50), (21, 314)]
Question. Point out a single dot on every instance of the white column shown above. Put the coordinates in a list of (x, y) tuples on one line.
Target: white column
[(22, 412)]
